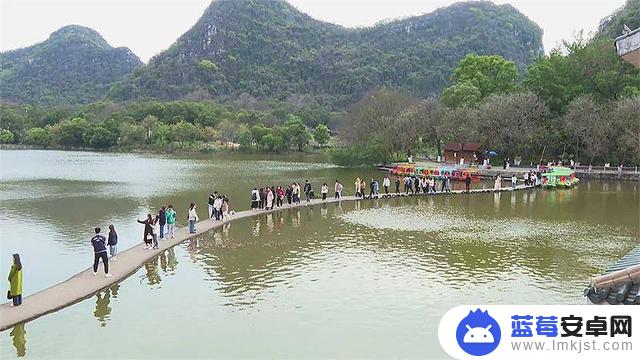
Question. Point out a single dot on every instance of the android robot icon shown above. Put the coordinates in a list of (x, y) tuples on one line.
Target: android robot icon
[(478, 333)]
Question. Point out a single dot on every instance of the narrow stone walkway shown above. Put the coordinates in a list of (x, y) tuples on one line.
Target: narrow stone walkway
[(84, 284)]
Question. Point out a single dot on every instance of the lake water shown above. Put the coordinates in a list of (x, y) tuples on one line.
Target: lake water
[(367, 279)]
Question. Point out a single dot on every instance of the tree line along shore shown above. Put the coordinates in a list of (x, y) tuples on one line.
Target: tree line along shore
[(580, 102)]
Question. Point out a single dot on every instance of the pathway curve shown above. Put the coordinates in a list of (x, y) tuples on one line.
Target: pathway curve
[(84, 284)]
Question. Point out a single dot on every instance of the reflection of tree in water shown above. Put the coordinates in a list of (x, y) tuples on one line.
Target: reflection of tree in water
[(19, 341), (103, 299)]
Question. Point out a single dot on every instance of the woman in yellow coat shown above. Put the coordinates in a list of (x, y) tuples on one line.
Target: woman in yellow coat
[(15, 281)]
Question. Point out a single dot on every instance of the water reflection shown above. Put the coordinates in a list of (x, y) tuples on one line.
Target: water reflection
[(103, 300), (17, 335)]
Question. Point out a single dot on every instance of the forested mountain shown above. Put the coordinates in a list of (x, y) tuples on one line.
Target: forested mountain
[(75, 65), (612, 25), (269, 49)]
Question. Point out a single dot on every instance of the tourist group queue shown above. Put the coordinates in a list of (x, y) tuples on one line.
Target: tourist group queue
[(162, 225)]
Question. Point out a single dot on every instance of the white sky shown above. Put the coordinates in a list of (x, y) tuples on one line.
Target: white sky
[(150, 26)]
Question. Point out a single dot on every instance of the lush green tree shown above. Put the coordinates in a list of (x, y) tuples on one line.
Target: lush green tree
[(99, 137), (478, 76), (132, 134), (245, 139), (625, 116), (551, 78), (460, 94), (37, 136), (185, 132), (69, 132), (7, 137), (321, 134), (297, 132)]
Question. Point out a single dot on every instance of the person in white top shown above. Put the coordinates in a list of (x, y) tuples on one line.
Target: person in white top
[(497, 185), (386, 182), (338, 189), (324, 190), (217, 206), (255, 198), (270, 198), (514, 181), (193, 218)]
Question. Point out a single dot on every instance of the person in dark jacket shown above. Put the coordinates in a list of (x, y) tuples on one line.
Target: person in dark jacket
[(100, 252), (307, 190), (397, 185), (162, 220), (288, 194), (113, 242), (148, 230), (467, 183)]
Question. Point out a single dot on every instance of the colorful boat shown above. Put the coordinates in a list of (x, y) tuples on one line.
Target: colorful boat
[(559, 176), (456, 173)]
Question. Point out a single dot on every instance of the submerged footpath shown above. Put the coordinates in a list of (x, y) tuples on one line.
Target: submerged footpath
[(84, 284)]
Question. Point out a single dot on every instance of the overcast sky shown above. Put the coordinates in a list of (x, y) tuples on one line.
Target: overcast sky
[(150, 26)]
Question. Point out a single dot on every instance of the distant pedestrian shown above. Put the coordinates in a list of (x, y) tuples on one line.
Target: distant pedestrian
[(112, 241), (269, 199), (15, 281), (263, 199), (217, 207), (467, 183), (357, 185), (148, 230), (497, 185), (192, 217), (212, 198), (397, 185), (155, 229), (100, 252), (225, 207), (416, 185), (514, 181), (338, 190), (171, 220), (279, 196), (386, 182), (255, 199), (162, 220), (307, 190), (324, 190), (289, 194), (363, 188)]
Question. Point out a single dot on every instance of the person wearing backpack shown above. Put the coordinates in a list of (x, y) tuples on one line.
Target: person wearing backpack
[(255, 198), (100, 252)]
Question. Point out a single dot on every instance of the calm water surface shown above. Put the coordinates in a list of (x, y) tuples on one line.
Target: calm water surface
[(367, 279)]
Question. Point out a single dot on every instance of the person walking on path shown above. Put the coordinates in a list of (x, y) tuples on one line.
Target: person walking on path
[(263, 199), (255, 198), (269, 197), (324, 190), (363, 188), (217, 207), (148, 224), (397, 185), (447, 179), (15, 281), (155, 229), (338, 189), (416, 185), (357, 184), (192, 217), (225, 207), (100, 252), (372, 188), (467, 183), (289, 194), (171, 220), (162, 220), (113, 242), (212, 198), (514, 181), (386, 182), (497, 185), (279, 196), (443, 183), (307, 190)]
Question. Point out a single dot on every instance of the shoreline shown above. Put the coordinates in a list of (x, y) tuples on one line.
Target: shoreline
[(84, 285)]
